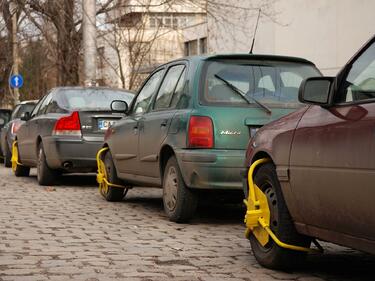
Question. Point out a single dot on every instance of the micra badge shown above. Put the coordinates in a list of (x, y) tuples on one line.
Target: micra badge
[(230, 133)]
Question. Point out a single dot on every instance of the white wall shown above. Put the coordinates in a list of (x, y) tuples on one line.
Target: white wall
[(327, 32)]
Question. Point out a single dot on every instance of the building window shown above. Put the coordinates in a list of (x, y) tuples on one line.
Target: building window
[(100, 53), (203, 45), (196, 47), (170, 20)]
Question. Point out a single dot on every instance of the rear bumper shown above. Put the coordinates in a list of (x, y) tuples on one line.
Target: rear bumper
[(80, 154), (211, 168)]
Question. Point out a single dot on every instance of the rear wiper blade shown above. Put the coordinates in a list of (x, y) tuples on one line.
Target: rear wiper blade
[(243, 95)]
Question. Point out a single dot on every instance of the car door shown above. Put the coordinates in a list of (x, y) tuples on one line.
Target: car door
[(25, 142), (126, 131), (154, 125), (332, 162), (37, 127)]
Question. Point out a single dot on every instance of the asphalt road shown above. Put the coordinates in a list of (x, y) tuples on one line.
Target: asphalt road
[(68, 232)]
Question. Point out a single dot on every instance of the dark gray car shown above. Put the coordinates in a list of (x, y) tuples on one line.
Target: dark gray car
[(8, 132), (4, 118), (64, 131)]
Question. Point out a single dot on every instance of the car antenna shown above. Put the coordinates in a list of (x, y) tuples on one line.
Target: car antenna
[(255, 32)]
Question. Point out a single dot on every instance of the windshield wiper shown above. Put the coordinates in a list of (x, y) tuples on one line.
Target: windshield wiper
[(243, 95)]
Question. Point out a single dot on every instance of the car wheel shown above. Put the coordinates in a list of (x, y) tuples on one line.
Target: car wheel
[(45, 175), (7, 156), (19, 169), (113, 194), (271, 255), (179, 201)]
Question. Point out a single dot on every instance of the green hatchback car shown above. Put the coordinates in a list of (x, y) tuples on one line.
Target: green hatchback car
[(188, 127)]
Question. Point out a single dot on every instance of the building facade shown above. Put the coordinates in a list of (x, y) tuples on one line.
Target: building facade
[(143, 35), (327, 32)]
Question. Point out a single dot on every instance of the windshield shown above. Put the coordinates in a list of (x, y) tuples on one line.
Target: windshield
[(91, 99), (268, 83)]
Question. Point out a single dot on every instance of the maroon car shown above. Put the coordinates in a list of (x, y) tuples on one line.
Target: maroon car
[(320, 181)]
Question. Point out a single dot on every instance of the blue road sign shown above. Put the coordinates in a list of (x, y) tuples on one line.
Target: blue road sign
[(16, 81)]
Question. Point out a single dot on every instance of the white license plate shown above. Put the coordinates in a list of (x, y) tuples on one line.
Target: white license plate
[(105, 124)]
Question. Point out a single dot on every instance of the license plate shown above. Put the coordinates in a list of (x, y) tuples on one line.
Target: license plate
[(105, 124)]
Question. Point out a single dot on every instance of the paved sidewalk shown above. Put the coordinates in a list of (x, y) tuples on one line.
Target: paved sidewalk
[(69, 232)]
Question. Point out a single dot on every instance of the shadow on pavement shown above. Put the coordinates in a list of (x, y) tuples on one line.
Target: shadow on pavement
[(341, 264)]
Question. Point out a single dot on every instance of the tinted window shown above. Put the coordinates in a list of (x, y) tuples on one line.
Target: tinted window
[(270, 83), (360, 81), (179, 91), (88, 99), (144, 97), (168, 87), (36, 108), (44, 105)]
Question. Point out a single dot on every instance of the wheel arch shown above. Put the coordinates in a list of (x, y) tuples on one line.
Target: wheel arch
[(37, 144), (166, 152), (261, 155)]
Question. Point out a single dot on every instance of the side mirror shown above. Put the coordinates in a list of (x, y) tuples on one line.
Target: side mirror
[(119, 106), (25, 116), (316, 90)]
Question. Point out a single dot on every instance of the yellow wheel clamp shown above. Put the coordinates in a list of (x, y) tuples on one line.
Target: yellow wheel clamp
[(257, 218), (102, 177), (15, 159)]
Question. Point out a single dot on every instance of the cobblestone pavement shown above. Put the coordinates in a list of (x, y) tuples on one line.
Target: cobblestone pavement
[(69, 232)]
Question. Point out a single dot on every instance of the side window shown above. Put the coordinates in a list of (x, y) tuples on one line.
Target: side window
[(179, 91), (359, 83), (44, 105), (38, 105), (168, 87), (53, 107), (144, 97)]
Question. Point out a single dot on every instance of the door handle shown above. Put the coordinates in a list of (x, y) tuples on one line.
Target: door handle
[(164, 123)]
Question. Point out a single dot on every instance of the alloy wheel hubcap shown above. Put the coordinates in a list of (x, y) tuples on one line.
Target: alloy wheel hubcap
[(170, 189), (270, 193)]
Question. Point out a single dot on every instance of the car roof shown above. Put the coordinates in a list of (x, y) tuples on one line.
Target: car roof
[(92, 88), (28, 101), (256, 57)]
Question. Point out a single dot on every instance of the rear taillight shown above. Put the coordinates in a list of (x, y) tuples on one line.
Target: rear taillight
[(68, 125), (201, 132), (15, 127)]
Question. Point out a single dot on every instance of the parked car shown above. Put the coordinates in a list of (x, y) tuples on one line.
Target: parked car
[(4, 118), (188, 127), (8, 132), (320, 180), (65, 130)]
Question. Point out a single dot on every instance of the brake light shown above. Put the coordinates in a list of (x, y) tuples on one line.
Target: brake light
[(68, 125), (15, 127), (201, 132)]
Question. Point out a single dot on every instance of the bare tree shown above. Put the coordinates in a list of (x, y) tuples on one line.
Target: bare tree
[(59, 23), (6, 42)]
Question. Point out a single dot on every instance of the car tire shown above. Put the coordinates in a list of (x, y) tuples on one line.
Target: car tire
[(271, 255), (179, 201), (114, 194), (21, 170), (45, 175), (7, 156)]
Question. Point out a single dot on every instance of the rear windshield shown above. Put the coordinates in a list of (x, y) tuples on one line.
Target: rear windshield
[(21, 109), (271, 83), (91, 99), (4, 117)]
